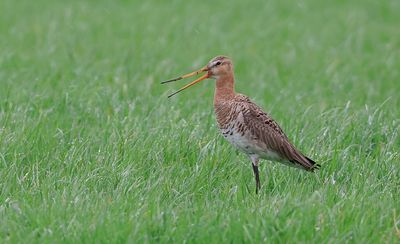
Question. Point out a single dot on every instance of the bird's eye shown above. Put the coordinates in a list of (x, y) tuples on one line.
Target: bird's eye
[(217, 63)]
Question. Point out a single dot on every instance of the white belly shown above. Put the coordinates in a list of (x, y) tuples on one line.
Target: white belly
[(237, 139), (245, 141), (250, 146)]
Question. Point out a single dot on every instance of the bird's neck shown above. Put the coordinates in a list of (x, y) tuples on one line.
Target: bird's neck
[(224, 88)]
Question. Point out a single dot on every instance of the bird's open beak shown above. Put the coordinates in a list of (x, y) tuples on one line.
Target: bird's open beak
[(186, 76)]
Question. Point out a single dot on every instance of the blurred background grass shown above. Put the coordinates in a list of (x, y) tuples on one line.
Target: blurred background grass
[(92, 151)]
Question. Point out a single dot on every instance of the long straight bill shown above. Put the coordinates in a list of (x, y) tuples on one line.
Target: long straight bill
[(186, 76), (190, 84)]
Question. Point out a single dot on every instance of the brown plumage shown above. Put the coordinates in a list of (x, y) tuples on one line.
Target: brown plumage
[(244, 124)]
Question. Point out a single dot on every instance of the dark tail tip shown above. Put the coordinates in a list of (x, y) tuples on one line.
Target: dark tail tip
[(314, 166)]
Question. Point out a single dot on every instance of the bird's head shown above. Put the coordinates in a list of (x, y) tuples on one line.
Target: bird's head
[(218, 67)]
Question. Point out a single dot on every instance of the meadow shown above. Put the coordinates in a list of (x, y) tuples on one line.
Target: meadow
[(93, 151)]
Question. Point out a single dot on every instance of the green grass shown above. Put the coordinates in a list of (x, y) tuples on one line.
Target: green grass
[(91, 150)]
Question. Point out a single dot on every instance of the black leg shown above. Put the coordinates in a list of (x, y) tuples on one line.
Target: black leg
[(255, 169)]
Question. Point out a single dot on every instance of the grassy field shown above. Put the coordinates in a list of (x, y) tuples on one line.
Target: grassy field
[(92, 151)]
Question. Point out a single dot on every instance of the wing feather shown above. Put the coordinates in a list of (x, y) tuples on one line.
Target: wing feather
[(264, 129)]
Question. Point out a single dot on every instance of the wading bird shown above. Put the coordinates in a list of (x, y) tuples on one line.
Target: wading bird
[(244, 124)]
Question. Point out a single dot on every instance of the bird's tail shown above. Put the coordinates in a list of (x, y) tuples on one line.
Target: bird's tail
[(304, 162), (314, 166)]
